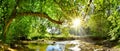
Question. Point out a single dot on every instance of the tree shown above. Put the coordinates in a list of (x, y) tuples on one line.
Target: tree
[(104, 20), (50, 9), (103, 15)]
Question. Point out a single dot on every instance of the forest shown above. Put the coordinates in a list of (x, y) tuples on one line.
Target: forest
[(34, 25)]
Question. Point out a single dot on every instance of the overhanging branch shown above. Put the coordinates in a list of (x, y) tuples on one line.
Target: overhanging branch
[(43, 15), (14, 14)]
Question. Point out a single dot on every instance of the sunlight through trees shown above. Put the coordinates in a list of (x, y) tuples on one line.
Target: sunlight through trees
[(47, 19)]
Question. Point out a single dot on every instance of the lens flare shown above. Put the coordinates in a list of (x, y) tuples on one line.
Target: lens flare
[(76, 22)]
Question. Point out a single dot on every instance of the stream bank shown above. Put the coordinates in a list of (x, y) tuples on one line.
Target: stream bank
[(85, 44)]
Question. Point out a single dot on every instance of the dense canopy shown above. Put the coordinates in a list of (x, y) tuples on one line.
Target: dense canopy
[(31, 18)]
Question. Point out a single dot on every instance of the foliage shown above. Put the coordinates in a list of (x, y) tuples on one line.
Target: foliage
[(27, 27), (31, 18), (105, 19), (98, 23), (114, 32), (115, 26)]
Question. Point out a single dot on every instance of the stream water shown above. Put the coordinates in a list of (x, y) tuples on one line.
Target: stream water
[(72, 45), (67, 45)]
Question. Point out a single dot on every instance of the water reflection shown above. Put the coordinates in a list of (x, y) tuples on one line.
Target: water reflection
[(55, 47), (37, 47), (74, 45)]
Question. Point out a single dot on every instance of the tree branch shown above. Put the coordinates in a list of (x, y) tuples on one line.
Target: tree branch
[(89, 2), (43, 15), (7, 22)]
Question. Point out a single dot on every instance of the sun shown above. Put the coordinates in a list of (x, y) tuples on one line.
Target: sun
[(76, 22)]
